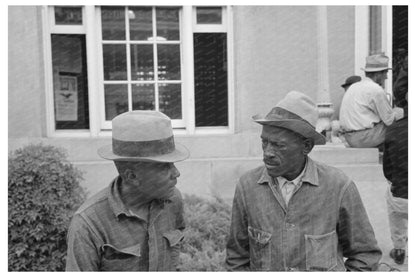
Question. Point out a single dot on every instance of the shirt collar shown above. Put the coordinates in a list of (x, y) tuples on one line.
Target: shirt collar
[(310, 175)]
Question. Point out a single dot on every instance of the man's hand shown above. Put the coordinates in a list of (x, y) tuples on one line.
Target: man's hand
[(398, 113)]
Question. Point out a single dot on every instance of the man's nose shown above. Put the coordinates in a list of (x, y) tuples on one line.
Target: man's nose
[(268, 151), (174, 171)]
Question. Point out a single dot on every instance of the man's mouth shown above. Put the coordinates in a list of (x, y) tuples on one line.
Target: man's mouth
[(269, 164)]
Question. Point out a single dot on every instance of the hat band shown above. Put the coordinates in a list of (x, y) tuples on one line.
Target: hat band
[(375, 65), (143, 148), (278, 113)]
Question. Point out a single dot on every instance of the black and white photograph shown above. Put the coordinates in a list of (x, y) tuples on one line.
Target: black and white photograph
[(208, 137)]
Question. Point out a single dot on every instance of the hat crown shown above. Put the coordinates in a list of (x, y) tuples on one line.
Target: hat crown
[(141, 126), (377, 62), (301, 105)]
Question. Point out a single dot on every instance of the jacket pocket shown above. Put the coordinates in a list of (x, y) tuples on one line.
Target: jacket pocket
[(321, 252), (174, 237), (124, 259), (260, 249)]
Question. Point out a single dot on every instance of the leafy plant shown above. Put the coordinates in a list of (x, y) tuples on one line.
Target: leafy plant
[(43, 192), (207, 228)]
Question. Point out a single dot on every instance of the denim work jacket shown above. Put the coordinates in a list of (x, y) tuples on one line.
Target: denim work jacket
[(324, 221), (105, 236)]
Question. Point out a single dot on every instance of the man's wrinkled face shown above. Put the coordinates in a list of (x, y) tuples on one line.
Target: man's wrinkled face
[(155, 180), (284, 152)]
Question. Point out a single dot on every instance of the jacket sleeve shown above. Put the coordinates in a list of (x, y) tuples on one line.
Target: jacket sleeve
[(82, 254), (356, 234), (237, 252)]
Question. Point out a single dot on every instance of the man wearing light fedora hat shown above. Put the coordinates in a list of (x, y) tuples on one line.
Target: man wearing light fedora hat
[(293, 213), (136, 223), (365, 111)]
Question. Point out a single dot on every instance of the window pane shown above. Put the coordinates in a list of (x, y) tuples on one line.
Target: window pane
[(167, 21), (170, 100), (116, 100), (142, 62), (115, 67), (169, 65), (113, 23), (140, 23), (68, 15), (70, 81), (210, 63), (143, 96), (209, 15)]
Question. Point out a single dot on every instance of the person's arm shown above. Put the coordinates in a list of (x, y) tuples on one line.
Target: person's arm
[(382, 107), (237, 252), (82, 254), (355, 233)]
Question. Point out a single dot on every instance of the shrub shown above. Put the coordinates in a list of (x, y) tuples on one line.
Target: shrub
[(207, 228), (44, 191)]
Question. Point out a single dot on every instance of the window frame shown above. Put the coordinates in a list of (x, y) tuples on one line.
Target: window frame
[(91, 28)]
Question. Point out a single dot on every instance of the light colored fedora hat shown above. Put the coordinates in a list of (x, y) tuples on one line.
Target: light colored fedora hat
[(377, 62), (143, 136), (296, 112)]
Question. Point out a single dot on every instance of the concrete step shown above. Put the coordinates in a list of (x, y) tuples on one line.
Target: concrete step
[(208, 177)]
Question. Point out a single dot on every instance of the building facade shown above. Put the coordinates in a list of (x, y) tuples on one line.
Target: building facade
[(73, 68)]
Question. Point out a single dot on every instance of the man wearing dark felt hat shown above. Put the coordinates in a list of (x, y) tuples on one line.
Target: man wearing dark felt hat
[(293, 213), (136, 223)]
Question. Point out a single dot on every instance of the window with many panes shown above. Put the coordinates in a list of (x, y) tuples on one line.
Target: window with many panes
[(111, 59)]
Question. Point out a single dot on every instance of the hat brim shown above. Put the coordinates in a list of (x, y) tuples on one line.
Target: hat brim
[(376, 69), (179, 154), (294, 125)]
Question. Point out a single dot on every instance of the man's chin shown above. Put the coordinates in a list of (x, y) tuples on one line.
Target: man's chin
[(273, 172)]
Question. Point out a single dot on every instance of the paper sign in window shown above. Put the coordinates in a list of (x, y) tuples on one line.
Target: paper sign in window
[(66, 99)]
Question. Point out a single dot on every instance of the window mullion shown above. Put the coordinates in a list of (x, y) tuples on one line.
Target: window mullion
[(155, 61), (128, 57)]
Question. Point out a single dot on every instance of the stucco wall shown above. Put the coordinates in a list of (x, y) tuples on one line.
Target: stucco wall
[(341, 47), (276, 51), (26, 99)]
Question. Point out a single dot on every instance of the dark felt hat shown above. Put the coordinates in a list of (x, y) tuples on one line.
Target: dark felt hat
[(296, 112), (143, 136)]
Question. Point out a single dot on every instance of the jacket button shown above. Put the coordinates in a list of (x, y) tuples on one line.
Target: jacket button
[(290, 225)]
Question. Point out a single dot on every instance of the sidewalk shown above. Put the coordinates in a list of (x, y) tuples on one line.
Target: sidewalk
[(372, 194)]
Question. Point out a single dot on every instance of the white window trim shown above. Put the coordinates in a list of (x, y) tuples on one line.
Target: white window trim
[(362, 34), (91, 19)]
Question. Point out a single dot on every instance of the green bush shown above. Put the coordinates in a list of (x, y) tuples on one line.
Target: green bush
[(207, 228), (44, 191)]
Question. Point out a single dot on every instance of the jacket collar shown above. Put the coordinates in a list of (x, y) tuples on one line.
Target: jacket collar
[(117, 205)]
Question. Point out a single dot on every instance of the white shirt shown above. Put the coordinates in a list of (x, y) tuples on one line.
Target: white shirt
[(288, 188), (365, 104)]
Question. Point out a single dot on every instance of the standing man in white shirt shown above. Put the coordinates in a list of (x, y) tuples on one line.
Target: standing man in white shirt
[(365, 110)]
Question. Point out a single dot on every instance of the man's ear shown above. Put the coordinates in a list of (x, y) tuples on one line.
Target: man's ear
[(129, 174), (308, 144)]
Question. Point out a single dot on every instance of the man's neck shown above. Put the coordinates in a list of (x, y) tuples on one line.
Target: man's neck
[(291, 176), (132, 197)]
